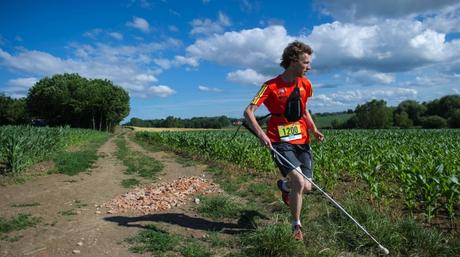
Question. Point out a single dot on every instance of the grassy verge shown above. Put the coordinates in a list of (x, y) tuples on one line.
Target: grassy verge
[(73, 162), (18, 222), (137, 164), (328, 231)]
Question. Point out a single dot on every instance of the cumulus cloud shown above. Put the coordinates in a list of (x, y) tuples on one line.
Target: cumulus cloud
[(247, 76), (207, 26), (130, 66), (140, 24), (209, 89), (363, 10), (161, 91), (367, 78), (19, 87), (391, 46), (258, 49), (351, 98)]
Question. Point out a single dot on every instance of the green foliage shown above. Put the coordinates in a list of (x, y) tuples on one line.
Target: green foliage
[(373, 114), (331, 120), (454, 120), (390, 162), (22, 146), (136, 162), (128, 183), (402, 120), (220, 206), (195, 249), (69, 99), (434, 122), (274, 240), (153, 240), (409, 113), (13, 111), (173, 122), (21, 221)]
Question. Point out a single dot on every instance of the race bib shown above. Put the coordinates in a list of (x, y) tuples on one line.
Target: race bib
[(290, 132)]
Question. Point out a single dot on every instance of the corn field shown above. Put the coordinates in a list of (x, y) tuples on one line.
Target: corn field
[(421, 166), (22, 146)]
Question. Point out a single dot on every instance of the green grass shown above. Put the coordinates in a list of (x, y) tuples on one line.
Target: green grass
[(129, 183), (195, 249), (20, 221), (20, 205), (70, 212), (137, 163), (220, 206), (72, 163), (272, 240), (153, 240)]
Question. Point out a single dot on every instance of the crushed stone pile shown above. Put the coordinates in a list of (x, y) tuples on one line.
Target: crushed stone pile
[(160, 197)]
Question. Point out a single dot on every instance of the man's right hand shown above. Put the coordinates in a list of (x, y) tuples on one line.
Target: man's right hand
[(265, 141)]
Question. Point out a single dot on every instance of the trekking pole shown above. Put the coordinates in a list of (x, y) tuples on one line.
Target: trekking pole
[(385, 250)]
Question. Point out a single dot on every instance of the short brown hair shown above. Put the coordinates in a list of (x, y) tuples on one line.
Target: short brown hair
[(293, 51)]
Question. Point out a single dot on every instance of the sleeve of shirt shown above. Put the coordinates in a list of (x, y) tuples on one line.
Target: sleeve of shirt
[(261, 95)]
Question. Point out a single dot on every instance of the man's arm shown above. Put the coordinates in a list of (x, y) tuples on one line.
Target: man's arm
[(252, 123), (311, 125)]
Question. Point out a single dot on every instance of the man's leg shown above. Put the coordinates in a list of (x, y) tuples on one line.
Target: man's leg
[(297, 184)]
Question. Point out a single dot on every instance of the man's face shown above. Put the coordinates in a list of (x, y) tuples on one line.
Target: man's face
[(303, 65)]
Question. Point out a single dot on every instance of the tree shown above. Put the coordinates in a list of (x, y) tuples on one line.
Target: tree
[(454, 120), (413, 110), (434, 122), (444, 107), (13, 111), (402, 120), (373, 114), (69, 99)]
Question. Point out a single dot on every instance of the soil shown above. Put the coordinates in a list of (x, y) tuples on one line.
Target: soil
[(72, 221)]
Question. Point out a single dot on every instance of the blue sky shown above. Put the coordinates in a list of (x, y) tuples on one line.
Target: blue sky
[(209, 57)]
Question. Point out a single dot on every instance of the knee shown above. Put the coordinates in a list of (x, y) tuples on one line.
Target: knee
[(297, 185), (307, 187)]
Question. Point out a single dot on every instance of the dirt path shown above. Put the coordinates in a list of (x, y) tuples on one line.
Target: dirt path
[(69, 215)]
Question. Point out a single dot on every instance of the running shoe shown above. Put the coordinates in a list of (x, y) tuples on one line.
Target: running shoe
[(298, 234)]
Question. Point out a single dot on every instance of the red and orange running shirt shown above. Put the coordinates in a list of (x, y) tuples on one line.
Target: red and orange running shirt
[(274, 94)]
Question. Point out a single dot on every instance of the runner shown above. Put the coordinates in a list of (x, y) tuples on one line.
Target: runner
[(286, 99)]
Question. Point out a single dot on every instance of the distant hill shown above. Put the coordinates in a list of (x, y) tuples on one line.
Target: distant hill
[(325, 120)]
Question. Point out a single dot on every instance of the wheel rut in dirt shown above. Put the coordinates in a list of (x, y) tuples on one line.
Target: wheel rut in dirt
[(72, 221)]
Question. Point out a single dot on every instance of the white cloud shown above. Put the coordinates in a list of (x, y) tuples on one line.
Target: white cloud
[(130, 66), (209, 89), (208, 26), (351, 98), (390, 46), (258, 49), (161, 91), (369, 11), (367, 78), (116, 35), (140, 24), (94, 33), (176, 62), (19, 87), (247, 76)]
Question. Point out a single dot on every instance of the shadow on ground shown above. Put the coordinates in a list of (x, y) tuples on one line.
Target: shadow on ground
[(245, 223)]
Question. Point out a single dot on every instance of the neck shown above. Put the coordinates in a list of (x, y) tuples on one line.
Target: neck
[(288, 76)]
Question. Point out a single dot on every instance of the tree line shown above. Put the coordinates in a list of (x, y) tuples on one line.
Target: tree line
[(68, 99), (439, 113), (174, 122)]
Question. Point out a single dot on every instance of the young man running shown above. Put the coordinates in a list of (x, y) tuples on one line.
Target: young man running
[(286, 99)]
